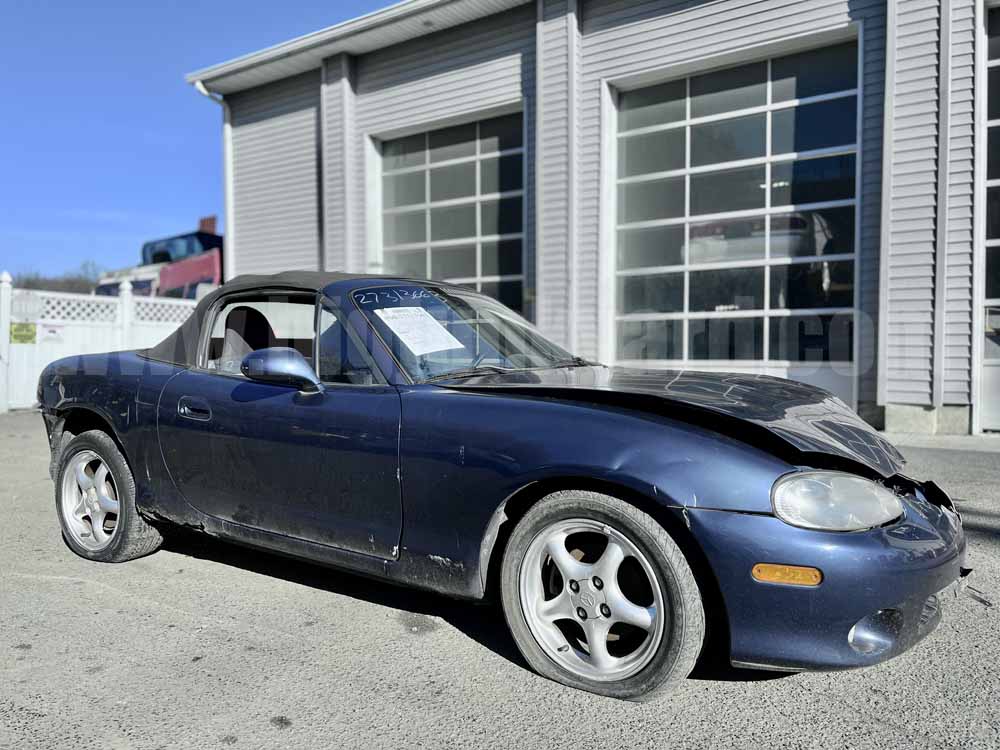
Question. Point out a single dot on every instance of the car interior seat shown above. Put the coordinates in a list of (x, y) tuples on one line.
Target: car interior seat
[(247, 330)]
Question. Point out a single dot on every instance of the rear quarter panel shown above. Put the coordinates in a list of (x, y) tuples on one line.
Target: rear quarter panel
[(462, 454)]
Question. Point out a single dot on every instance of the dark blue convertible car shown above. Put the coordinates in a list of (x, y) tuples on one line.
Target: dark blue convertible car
[(422, 433)]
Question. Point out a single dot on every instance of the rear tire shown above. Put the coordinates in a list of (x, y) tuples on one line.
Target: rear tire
[(95, 502), (622, 617)]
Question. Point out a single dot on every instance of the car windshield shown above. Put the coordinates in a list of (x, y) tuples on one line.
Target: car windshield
[(436, 332)]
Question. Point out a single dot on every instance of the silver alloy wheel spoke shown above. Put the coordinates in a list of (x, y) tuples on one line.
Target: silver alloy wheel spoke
[(622, 610), (597, 641), (105, 499), (606, 568), (589, 593), (97, 527), (559, 608), (83, 481), (80, 505), (569, 567)]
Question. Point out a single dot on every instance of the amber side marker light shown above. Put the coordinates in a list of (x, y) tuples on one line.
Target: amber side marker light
[(792, 575)]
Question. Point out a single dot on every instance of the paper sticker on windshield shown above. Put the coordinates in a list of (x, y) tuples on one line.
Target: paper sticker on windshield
[(418, 330)]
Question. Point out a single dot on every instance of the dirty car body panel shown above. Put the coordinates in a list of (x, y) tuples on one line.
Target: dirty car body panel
[(419, 481)]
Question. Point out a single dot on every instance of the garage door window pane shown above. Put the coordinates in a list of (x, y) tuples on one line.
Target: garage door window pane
[(651, 246), (404, 229), (510, 293), (453, 143), (501, 134), (646, 201), (812, 338), (991, 343), (993, 273), (802, 286), (727, 289), (726, 338), (662, 293), (993, 30), (502, 258), (993, 94), (404, 189), (453, 222), (453, 262), (728, 140), (993, 213), (826, 231), (814, 126), (729, 90), (821, 71), (662, 151), (404, 152), (501, 175), (993, 154), (650, 339), (406, 263), (727, 240), (504, 216), (812, 180), (454, 181), (656, 105), (728, 190)]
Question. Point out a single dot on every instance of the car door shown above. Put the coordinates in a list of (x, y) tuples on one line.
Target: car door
[(321, 467)]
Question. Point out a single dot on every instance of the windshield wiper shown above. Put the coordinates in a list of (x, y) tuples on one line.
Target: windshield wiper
[(572, 362), (467, 373)]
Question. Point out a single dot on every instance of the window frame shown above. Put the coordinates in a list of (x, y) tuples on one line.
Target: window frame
[(612, 91), (325, 303), (986, 184), (979, 382), (319, 300), (379, 250)]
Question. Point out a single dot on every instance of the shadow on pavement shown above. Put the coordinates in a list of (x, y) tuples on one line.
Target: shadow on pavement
[(482, 622)]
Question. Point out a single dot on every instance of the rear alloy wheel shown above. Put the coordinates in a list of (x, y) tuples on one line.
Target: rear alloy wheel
[(598, 596), (95, 499), (90, 504)]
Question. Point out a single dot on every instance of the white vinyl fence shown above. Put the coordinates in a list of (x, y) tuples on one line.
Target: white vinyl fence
[(38, 327)]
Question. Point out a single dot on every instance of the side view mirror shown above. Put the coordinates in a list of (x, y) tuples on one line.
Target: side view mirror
[(281, 365)]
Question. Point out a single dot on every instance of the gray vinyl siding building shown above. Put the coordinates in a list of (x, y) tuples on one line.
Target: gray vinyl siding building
[(787, 187)]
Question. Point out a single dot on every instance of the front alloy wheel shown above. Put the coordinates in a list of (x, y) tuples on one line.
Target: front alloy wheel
[(598, 596), (591, 599)]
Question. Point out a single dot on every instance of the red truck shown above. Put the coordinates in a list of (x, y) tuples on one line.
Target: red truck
[(183, 278)]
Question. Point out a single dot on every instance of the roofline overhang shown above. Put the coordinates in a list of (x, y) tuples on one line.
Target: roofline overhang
[(381, 28)]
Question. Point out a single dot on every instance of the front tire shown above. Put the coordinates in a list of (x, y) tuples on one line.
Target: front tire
[(95, 502), (599, 597)]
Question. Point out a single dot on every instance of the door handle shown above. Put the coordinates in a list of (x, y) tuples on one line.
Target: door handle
[(191, 407)]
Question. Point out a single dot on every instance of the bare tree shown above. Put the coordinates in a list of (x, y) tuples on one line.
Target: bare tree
[(82, 280)]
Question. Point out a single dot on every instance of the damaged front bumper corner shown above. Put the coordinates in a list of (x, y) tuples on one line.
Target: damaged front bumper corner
[(883, 590)]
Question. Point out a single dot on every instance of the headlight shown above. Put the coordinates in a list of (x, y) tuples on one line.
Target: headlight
[(833, 501)]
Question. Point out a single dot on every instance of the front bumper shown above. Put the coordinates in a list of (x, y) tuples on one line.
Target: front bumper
[(882, 589)]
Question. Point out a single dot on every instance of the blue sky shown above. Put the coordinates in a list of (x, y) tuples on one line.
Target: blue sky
[(102, 143)]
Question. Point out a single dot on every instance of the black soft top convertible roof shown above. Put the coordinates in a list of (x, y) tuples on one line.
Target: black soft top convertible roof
[(181, 347)]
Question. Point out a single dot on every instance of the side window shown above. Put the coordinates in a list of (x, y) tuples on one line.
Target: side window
[(340, 358), (248, 324)]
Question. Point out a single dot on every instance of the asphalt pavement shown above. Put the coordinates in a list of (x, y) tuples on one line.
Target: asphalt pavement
[(205, 645)]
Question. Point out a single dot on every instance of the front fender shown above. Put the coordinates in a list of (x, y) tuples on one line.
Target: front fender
[(463, 454)]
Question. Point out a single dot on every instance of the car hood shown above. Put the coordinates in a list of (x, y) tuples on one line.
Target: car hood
[(794, 415)]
